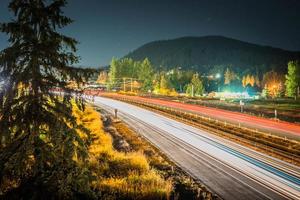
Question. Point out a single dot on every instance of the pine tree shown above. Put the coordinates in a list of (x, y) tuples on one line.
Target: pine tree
[(38, 132)]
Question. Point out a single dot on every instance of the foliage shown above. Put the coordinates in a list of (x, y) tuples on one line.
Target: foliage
[(145, 75), (292, 82), (38, 132), (273, 84), (102, 77), (163, 85), (195, 87), (114, 73), (229, 76), (179, 78), (265, 92), (124, 69), (249, 80)]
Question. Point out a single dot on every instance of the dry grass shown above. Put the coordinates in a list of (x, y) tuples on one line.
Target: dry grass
[(138, 144), (119, 175), (145, 186)]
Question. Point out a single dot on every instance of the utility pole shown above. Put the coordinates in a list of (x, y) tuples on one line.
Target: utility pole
[(131, 83), (242, 105), (192, 90), (124, 84)]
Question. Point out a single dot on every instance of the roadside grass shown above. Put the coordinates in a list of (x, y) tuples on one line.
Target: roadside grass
[(119, 175), (184, 187), (138, 144), (137, 186)]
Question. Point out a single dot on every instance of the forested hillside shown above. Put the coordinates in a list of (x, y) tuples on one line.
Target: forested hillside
[(214, 53)]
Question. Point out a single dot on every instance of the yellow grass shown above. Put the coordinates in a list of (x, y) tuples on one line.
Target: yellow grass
[(127, 175), (145, 186)]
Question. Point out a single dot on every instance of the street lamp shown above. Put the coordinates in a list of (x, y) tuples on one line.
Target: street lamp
[(218, 76)]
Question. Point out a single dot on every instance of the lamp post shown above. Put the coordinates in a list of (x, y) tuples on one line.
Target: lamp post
[(218, 76)]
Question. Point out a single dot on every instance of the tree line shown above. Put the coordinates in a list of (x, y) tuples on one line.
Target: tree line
[(166, 83), (270, 84)]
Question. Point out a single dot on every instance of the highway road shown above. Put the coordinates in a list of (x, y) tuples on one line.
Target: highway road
[(227, 169), (280, 128)]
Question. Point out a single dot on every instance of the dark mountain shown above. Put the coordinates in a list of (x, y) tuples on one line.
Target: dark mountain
[(214, 53)]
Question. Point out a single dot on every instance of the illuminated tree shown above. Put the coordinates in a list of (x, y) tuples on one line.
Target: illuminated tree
[(265, 92), (252, 81), (248, 79), (273, 83), (102, 78), (292, 79), (244, 81), (229, 76), (164, 85)]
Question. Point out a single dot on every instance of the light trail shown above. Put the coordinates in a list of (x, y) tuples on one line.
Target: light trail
[(226, 168)]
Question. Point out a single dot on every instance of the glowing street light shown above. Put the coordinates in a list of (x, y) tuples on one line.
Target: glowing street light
[(218, 75)]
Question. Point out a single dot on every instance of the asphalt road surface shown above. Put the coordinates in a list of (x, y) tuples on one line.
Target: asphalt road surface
[(227, 169), (280, 128)]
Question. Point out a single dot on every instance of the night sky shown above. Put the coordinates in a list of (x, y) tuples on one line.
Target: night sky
[(107, 28)]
